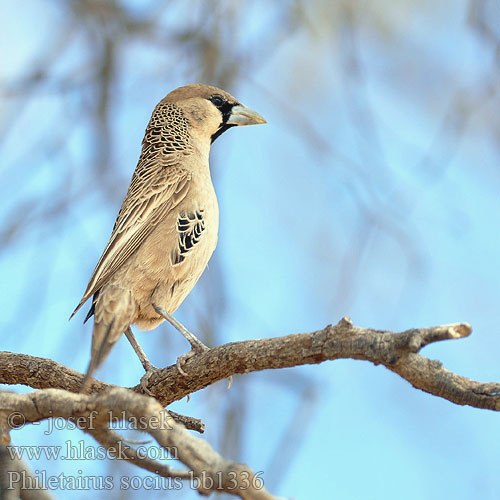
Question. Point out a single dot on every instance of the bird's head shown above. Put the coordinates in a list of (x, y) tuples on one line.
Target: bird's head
[(210, 110)]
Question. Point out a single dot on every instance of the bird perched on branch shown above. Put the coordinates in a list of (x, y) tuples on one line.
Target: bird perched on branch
[(166, 229)]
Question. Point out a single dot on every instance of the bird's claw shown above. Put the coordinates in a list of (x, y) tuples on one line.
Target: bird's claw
[(150, 370), (196, 348)]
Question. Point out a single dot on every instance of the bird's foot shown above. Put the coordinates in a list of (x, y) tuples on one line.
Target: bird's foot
[(150, 370), (196, 348)]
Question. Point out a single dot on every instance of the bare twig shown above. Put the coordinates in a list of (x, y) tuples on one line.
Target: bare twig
[(191, 423)]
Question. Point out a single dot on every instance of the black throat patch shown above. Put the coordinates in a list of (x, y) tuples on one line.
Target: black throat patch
[(225, 109)]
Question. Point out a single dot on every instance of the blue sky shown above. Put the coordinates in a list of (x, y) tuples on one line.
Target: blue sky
[(367, 194)]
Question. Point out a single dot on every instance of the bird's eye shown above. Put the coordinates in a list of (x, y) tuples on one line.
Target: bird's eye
[(217, 100)]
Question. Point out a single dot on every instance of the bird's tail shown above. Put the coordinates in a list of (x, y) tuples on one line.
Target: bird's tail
[(114, 311), (101, 345)]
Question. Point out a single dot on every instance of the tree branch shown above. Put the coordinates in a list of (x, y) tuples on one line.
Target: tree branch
[(396, 351), (94, 413), (399, 352), (12, 469)]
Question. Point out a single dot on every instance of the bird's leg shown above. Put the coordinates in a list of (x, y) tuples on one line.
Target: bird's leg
[(197, 346), (148, 366), (138, 350)]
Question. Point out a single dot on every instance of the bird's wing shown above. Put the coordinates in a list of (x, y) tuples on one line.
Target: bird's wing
[(154, 191)]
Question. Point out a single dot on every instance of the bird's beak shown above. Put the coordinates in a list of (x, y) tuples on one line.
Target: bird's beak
[(241, 115)]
